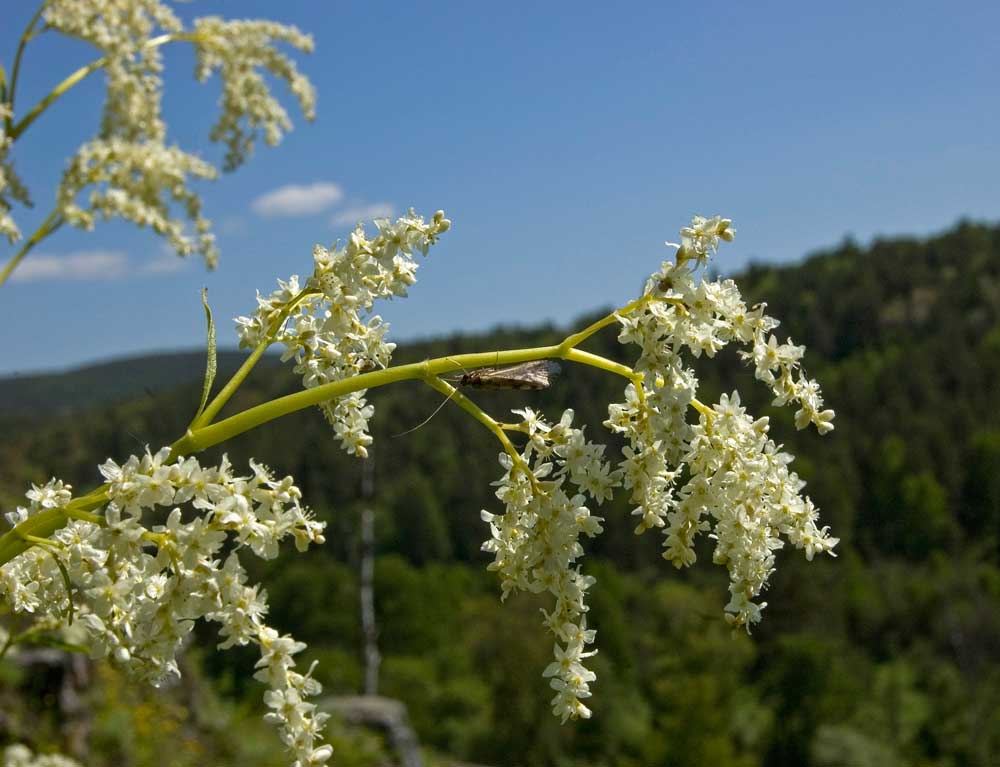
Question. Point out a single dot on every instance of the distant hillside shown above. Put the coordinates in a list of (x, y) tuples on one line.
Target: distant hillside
[(48, 394)]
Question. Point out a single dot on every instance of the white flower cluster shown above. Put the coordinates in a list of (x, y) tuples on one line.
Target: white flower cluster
[(136, 174), (138, 588), (700, 240), (120, 29), (535, 542), (20, 756), (740, 479), (736, 476), (11, 187), (237, 49), (139, 181), (330, 330)]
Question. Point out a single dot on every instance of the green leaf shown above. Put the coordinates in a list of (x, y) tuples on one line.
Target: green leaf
[(211, 364)]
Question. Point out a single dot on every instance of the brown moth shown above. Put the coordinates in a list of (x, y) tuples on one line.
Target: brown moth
[(534, 375)]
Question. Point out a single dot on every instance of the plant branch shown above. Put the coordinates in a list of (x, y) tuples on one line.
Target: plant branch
[(204, 436), (79, 75), (484, 418), (240, 375), (213, 434), (49, 225), (28, 34)]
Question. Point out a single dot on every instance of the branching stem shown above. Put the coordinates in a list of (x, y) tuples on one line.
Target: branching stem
[(213, 408), (204, 434), (480, 415), (48, 226), (26, 36), (76, 77)]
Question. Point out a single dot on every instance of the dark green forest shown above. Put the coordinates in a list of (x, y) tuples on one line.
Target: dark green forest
[(887, 655)]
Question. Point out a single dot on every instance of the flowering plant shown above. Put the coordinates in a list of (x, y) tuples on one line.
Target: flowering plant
[(130, 169), (128, 568), (133, 580)]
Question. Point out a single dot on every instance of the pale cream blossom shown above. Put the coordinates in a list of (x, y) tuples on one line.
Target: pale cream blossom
[(129, 169)]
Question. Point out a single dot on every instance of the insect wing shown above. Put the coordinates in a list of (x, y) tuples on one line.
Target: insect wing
[(527, 375)]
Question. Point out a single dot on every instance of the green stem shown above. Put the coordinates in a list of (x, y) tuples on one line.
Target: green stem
[(49, 225), (76, 77), (41, 525), (475, 411), (16, 70), (240, 375), (484, 418), (55, 93), (603, 363), (48, 521), (578, 338), (207, 435), (45, 543), (213, 434)]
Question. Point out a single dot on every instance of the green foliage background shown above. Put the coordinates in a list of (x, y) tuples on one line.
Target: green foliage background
[(887, 655)]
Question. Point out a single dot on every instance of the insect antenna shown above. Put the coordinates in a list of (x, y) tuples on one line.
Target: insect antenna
[(428, 418)]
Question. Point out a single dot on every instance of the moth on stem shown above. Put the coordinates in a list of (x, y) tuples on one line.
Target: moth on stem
[(527, 376)]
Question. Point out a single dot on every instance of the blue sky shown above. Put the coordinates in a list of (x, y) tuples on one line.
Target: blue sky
[(566, 141)]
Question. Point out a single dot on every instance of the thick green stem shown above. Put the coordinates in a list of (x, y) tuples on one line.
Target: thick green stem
[(41, 525), (49, 225), (46, 522), (484, 418), (55, 93), (213, 434), (475, 411), (240, 375)]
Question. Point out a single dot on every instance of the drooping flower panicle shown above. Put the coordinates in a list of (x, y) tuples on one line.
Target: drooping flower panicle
[(138, 586), (535, 542), (129, 168), (721, 474), (738, 486)]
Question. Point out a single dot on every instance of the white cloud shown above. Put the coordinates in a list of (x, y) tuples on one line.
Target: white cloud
[(350, 216), (166, 263), (298, 199), (80, 265)]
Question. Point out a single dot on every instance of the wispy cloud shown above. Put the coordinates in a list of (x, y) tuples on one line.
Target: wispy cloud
[(351, 215), (298, 199), (233, 225), (80, 265), (165, 263), (96, 266)]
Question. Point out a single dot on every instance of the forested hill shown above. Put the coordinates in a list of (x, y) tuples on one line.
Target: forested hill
[(42, 395), (904, 336)]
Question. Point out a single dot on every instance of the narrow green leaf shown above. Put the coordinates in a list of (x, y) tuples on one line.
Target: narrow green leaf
[(211, 364), (68, 584)]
